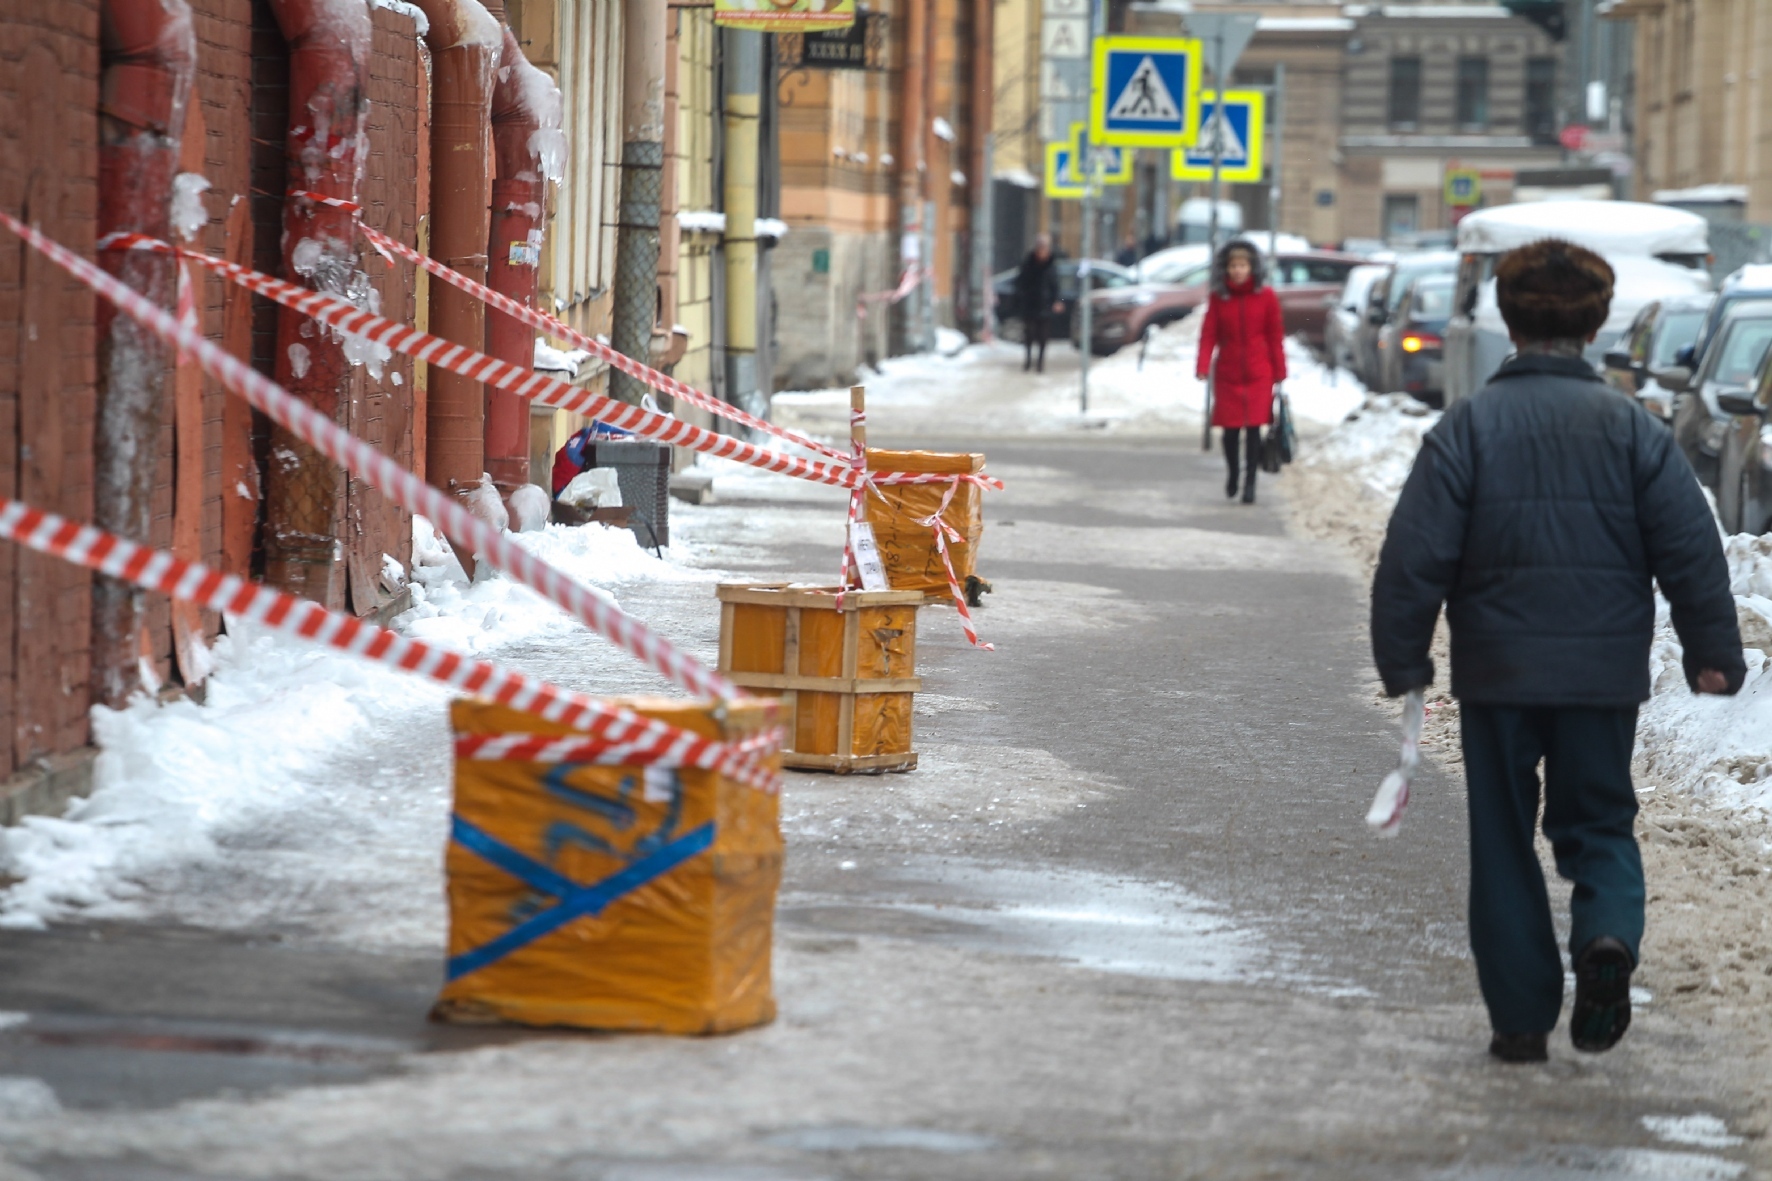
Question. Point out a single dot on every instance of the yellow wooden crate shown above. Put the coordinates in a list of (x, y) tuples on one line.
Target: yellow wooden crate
[(845, 677), (618, 898), (907, 548)]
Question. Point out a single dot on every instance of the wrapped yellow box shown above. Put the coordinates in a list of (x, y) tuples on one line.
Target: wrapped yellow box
[(907, 547), (611, 897)]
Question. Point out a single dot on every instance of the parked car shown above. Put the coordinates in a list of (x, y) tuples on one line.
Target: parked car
[(1345, 312), (1174, 289), (1656, 252), (1731, 365), (1654, 341), (1744, 465), (1103, 275), (1749, 282), (1412, 342), (1381, 305)]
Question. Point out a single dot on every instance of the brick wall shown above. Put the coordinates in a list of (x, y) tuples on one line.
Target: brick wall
[(49, 172)]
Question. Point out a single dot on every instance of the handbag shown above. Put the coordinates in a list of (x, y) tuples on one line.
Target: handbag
[(1278, 444)]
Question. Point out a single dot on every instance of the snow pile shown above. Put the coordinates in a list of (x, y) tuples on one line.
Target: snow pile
[(554, 360), (310, 793), (189, 214), (1718, 747), (1376, 443)]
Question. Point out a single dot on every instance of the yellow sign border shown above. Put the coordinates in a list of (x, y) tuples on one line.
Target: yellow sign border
[(1190, 98), (1251, 169), (1055, 186), (1476, 188)]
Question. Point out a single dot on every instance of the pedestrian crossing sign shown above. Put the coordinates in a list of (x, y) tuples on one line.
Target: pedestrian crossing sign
[(1145, 92), (1239, 119), (1116, 163), (1062, 179)]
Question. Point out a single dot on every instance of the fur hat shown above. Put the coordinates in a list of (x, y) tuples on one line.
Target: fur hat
[(1221, 264), (1553, 290)]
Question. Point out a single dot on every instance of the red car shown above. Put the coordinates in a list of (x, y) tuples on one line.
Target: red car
[(1305, 281)]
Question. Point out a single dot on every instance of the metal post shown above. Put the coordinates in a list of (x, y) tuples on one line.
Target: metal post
[(642, 190), (1087, 320), (1212, 218), (743, 103), (1274, 190)]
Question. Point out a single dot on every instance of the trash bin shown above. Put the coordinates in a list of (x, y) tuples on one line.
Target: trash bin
[(907, 547), (644, 472)]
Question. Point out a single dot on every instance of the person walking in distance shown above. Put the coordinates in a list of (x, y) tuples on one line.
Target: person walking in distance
[(1036, 294), (1540, 511), (1243, 328)]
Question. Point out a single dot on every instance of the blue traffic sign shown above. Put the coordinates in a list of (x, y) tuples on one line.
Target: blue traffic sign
[(1145, 92), (1239, 152)]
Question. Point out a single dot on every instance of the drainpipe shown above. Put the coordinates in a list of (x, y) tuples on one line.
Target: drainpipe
[(642, 188), (465, 40), (743, 106), (149, 59), (528, 148), (983, 86), (912, 119), (329, 44)]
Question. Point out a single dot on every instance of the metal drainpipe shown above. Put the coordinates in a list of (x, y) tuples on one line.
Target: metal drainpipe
[(525, 110), (465, 42), (912, 119), (149, 59), (743, 106), (983, 95), (642, 188), (329, 45)]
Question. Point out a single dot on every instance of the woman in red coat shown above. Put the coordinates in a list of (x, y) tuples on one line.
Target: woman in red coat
[(1243, 327)]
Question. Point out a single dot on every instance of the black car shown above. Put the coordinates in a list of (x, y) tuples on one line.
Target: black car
[(1744, 465), (1102, 275), (1413, 344), (1381, 305), (1652, 343), (1731, 365), (1750, 282)]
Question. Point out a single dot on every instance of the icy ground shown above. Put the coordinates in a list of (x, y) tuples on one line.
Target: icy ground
[(1717, 747)]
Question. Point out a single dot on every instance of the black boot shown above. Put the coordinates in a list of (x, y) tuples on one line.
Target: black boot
[(1249, 485), (1251, 463), (1519, 1047), (1602, 995), (1230, 462)]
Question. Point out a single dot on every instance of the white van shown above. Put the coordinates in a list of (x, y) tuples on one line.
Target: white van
[(1656, 252)]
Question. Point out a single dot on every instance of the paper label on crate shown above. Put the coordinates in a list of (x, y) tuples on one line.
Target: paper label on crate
[(867, 557)]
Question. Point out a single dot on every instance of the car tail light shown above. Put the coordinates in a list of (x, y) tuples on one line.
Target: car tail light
[(1414, 342)]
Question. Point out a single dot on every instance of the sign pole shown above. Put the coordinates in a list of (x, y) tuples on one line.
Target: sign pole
[(1218, 89), (1275, 193), (1086, 145)]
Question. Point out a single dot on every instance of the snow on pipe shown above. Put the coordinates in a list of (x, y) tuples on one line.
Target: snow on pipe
[(528, 150), (465, 42), (329, 46)]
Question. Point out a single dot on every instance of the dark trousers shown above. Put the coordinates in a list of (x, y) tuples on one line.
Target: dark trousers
[(1034, 330), (1252, 435), (1589, 807)]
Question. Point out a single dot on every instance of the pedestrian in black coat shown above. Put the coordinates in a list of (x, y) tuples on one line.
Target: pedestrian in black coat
[(1036, 296), (1540, 511)]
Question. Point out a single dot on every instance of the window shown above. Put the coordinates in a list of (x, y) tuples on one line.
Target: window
[(1399, 216), (1405, 108), (1541, 99), (1473, 92), (1675, 331)]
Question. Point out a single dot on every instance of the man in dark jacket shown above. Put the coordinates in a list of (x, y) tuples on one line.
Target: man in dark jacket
[(1539, 511), (1036, 295)]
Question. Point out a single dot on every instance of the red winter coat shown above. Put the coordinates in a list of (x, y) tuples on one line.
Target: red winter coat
[(1246, 330)]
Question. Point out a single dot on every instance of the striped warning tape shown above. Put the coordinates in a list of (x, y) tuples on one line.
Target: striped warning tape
[(638, 740), (945, 533), (664, 383), (382, 473)]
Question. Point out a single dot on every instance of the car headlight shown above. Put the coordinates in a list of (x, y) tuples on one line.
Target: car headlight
[(1766, 447), (1710, 439)]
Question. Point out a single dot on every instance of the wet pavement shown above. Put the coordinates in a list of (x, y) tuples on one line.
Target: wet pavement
[(1124, 922)]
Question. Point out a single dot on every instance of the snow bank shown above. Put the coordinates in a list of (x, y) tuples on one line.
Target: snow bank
[(310, 792), (1376, 442), (1717, 747)]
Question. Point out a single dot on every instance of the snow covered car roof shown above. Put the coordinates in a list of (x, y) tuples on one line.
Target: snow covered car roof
[(1611, 228)]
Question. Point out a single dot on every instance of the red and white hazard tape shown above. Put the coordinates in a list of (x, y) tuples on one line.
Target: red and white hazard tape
[(907, 283), (640, 740), (382, 473), (347, 318), (945, 533), (664, 383), (733, 759)]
